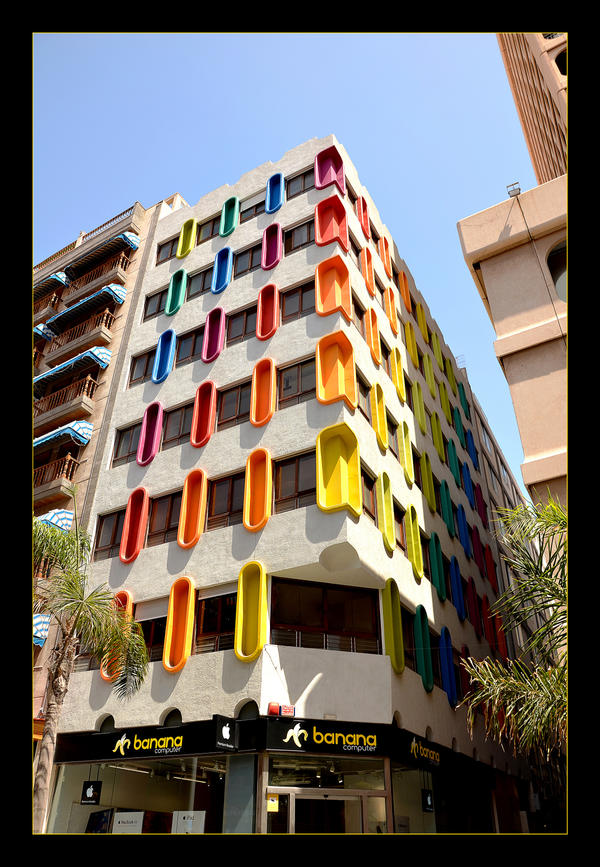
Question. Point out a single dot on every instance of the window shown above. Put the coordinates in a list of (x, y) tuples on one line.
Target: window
[(295, 482), (200, 283), (306, 614), (189, 346), (386, 358), (425, 553), (434, 642), (215, 623), (364, 399), (408, 637), (241, 326), (108, 535), (399, 527), (557, 265), (141, 367), (164, 519), (177, 426), (248, 260), (155, 304), (233, 405), (300, 183), (354, 250), (209, 229), (154, 636), (300, 236), (225, 502), (126, 443), (297, 383), (167, 250), (298, 302), (369, 495), (250, 211), (392, 429), (358, 317)]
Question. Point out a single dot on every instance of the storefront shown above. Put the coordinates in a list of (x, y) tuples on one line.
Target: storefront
[(273, 775)]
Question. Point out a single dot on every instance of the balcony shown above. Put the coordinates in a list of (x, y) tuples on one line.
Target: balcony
[(51, 481), (113, 270), (45, 307), (95, 331), (74, 401)]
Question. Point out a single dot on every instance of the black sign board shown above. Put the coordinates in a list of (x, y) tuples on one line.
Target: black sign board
[(427, 800), (226, 733), (145, 742), (90, 792), (327, 736)]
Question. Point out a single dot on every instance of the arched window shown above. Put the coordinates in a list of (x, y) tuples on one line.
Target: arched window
[(557, 265)]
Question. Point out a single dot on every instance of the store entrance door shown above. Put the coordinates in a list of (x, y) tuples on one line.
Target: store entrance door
[(328, 814)]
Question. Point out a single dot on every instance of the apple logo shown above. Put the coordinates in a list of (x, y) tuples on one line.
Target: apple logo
[(225, 731), (89, 791)]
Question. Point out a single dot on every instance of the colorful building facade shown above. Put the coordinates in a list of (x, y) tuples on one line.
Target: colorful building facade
[(295, 506)]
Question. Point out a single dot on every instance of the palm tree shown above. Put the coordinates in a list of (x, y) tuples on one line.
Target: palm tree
[(86, 618), (524, 701)]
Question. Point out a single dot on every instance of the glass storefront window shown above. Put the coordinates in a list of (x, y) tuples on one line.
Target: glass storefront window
[(182, 795), (414, 809), (329, 772)]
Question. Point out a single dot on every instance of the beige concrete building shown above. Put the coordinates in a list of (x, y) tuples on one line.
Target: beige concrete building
[(516, 252)]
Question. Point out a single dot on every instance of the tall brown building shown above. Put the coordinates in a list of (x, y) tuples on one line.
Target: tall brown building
[(516, 252), (536, 66)]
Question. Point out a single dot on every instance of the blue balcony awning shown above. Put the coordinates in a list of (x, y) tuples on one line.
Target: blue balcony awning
[(62, 321), (114, 244), (43, 331), (61, 518), (95, 355), (57, 277), (78, 431), (41, 623)]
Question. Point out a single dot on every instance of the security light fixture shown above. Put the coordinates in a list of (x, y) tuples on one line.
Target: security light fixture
[(513, 189)]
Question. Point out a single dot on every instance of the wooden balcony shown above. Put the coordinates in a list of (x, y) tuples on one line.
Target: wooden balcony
[(45, 307), (74, 401), (114, 270), (50, 481), (95, 331)]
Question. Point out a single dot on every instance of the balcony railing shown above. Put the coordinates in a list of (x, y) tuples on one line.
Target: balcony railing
[(45, 302), (119, 262), (82, 388), (64, 468), (324, 641), (101, 320)]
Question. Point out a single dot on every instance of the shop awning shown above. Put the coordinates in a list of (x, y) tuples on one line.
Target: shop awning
[(78, 431), (95, 355), (62, 321), (41, 623), (61, 518)]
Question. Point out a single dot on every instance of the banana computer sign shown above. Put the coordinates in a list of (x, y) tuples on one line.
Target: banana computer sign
[(314, 736)]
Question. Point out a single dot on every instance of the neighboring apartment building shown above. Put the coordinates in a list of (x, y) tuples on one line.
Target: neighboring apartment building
[(81, 298), (517, 254), (296, 507)]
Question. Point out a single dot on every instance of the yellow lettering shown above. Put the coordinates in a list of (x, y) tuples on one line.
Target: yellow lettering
[(137, 744), (317, 736), (351, 739), (371, 740), (329, 738)]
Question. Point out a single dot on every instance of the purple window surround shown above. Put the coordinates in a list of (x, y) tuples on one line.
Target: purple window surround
[(214, 335), (150, 433), (272, 246)]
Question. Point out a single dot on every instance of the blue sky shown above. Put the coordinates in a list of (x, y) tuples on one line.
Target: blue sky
[(428, 120)]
